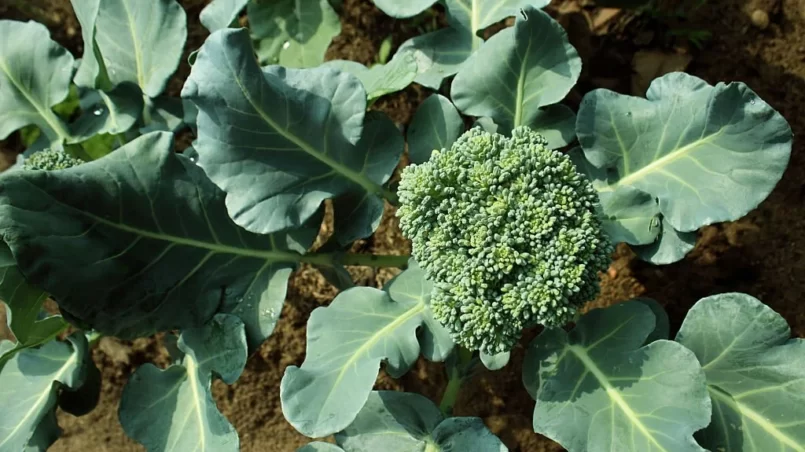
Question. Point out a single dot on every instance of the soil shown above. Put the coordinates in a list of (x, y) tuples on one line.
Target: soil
[(759, 42)]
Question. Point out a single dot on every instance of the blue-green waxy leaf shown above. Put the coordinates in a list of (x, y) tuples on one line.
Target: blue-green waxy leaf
[(381, 79), (358, 214), (30, 384), (755, 374), (173, 409), (277, 141), (671, 246), (436, 125), (403, 9), (122, 243), (441, 53), (221, 13), (346, 343), (292, 33), (135, 41), (517, 71), (599, 388), (707, 153), (397, 421), (114, 112), (35, 75), (166, 114), (630, 215), (23, 309)]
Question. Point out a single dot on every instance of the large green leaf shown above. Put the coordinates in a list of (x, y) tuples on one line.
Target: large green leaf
[(517, 71), (277, 141), (599, 388), (221, 13), (358, 214), (441, 53), (319, 447), (403, 9), (436, 125), (293, 33), (173, 409), (381, 79), (755, 374), (346, 343), (24, 309), (139, 241), (398, 421), (135, 41), (30, 384), (35, 75), (671, 246), (708, 154)]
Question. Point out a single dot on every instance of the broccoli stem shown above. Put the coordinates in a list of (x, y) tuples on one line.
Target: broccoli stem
[(369, 260), (458, 374)]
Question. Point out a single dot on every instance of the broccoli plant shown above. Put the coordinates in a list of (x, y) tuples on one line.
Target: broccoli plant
[(510, 222)]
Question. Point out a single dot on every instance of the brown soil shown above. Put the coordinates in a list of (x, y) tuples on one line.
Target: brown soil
[(761, 254)]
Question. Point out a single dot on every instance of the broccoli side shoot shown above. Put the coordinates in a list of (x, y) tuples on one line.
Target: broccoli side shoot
[(50, 160), (507, 230)]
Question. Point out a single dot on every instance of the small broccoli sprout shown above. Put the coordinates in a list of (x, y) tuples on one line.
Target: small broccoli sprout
[(50, 160), (508, 232)]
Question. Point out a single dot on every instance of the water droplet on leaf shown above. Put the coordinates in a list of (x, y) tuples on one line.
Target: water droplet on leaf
[(285, 45), (98, 112)]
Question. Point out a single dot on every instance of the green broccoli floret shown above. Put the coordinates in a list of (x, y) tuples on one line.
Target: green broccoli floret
[(507, 231), (50, 160)]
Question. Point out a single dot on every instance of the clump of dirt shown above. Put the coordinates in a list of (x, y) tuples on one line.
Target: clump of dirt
[(761, 254)]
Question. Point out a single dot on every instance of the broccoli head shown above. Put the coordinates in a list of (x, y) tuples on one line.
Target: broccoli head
[(50, 160), (507, 231)]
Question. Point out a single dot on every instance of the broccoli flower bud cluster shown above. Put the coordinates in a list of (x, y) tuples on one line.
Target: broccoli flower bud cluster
[(50, 160), (507, 231)]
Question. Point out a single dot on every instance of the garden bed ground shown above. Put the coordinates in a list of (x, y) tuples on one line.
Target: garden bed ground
[(761, 255)]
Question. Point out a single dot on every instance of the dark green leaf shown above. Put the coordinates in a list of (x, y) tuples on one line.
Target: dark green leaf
[(403, 9), (139, 241), (221, 13)]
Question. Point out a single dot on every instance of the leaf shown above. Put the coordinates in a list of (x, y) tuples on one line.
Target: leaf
[(441, 53), (346, 342), (30, 384), (517, 71), (221, 13), (630, 215), (381, 79), (436, 125), (357, 215), (662, 325), (130, 46), (708, 154), (113, 113), (293, 33), (165, 114), (35, 75), (599, 388), (495, 362), (403, 10), (277, 141), (139, 241), (557, 123), (23, 309), (670, 247), (406, 421), (755, 373), (173, 409)]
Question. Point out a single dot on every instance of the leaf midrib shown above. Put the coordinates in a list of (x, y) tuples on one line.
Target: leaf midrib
[(658, 164), (45, 394), (304, 146), (45, 113), (613, 393), (754, 416)]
